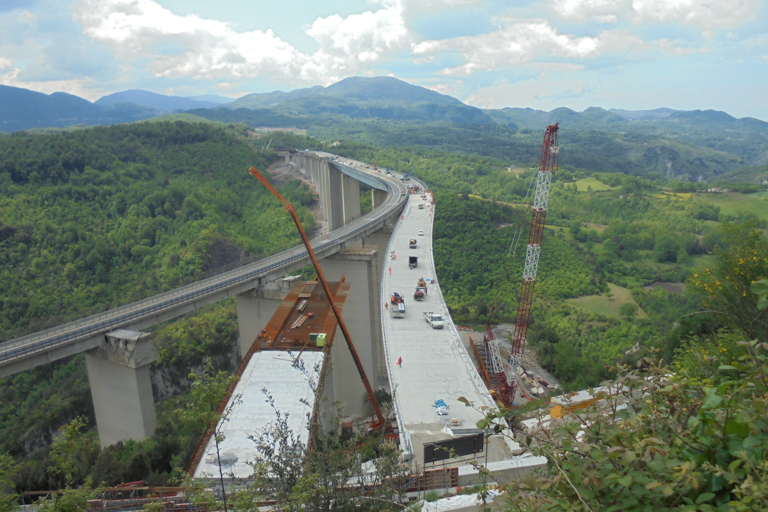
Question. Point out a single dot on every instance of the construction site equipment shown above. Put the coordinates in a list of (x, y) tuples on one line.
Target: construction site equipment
[(396, 298), (504, 377), (420, 293), (413, 261), (398, 310), (380, 421)]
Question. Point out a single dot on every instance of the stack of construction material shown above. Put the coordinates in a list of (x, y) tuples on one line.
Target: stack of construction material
[(442, 407)]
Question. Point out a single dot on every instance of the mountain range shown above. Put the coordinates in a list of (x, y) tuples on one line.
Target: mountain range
[(355, 98), (22, 109), (160, 101), (684, 144)]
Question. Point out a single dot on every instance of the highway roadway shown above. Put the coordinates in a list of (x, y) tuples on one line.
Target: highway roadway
[(435, 364), (70, 338)]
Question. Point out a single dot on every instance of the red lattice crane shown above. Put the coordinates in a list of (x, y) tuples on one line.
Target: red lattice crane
[(504, 376)]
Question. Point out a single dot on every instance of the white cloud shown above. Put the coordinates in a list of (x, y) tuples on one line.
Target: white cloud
[(196, 47), (451, 89), (546, 94), (521, 41), (190, 46), (359, 38), (85, 88), (707, 15), (603, 11), (557, 67)]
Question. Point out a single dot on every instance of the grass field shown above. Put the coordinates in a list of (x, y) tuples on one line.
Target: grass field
[(679, 196), (597, 227), (733, 203), (516, 205), (587, 183), (605, 305)]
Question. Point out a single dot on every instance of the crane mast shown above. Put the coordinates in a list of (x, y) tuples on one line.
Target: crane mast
[(504, 379)]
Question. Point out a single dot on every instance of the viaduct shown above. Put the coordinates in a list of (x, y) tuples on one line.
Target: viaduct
[(118, 355)]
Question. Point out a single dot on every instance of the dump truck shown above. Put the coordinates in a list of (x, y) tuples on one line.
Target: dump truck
[(434, 319), (412, 261), (412, 243)]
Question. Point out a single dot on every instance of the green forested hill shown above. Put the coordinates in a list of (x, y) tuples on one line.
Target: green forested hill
[(656, 154), (96, 218)]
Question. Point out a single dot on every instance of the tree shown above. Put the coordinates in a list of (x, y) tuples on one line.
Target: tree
[(695, 440), (318, 479), (199, 414), (218, 438), (726, 287), (68, 463), (8, 498), (665, 248), (628, 310)]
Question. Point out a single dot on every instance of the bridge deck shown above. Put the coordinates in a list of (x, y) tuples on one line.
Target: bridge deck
[(435, 363), (270, 383)]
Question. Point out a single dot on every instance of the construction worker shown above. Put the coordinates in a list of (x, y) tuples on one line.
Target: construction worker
[(386, 305), (400, 362)]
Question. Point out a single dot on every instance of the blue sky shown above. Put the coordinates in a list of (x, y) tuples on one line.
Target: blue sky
[(630, 54)]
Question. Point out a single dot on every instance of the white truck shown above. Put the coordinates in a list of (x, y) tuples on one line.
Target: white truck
[(434, 319)]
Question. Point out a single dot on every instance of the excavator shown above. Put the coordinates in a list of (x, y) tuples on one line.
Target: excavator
[(380, 422)]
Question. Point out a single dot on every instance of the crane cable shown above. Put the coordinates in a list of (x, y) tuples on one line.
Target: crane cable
[(512, 251)]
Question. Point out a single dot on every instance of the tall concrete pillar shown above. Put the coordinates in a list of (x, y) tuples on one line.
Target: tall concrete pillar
[(121, 388), (256, 307), (377, 197), (335, 198), (361, 315), (350, 193), (379, 240)]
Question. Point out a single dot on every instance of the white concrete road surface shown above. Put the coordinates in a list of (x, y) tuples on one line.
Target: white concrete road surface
[(435, 364)]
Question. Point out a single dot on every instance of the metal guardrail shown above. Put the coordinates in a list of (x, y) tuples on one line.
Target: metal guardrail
[(476, 378), (69, 333)]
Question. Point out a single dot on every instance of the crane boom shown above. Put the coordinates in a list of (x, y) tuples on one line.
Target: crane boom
[(504, 376), (547, 167), (380, 421)]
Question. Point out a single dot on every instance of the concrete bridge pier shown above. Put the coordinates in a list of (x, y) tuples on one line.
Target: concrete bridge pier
[(379, 240), (121, 388), (350, 197), (362, 317), (378, 197), (256, 307), (339, 193)]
